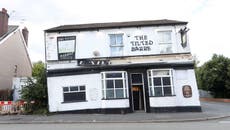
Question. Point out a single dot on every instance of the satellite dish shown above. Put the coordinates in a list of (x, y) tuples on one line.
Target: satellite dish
[(96, 53)]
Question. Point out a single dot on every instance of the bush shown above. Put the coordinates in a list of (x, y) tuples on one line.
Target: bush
[(214, 76), (36, 89)]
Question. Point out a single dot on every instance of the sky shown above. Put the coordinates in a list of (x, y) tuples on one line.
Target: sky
[(208, 19)]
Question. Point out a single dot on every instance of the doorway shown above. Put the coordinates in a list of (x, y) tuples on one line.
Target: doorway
[(137, 91)]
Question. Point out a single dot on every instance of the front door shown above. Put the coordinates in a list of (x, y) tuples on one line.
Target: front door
[(137, 91)]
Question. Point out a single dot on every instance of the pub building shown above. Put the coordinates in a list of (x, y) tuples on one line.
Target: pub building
[(121, 67)]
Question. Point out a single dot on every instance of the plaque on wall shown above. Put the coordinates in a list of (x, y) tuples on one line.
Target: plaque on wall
[(187, 91)]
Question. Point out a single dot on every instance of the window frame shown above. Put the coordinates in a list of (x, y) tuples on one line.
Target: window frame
[(76, 92), (152, 87), (116, 45), (58, 50), (166, 43), (124, 88)]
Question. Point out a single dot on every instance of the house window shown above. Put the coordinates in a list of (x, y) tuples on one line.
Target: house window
[(116, 44), (74, 93), (165, 41), (66, 47), (114, 85), (160, 82)]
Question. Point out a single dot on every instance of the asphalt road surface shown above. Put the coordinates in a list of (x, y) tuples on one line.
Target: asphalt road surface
[(222, 124)]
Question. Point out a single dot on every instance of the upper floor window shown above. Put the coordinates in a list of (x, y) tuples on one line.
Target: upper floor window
[(66, 47), (114, 85), (165, 41), (160, 82), (116, 44)]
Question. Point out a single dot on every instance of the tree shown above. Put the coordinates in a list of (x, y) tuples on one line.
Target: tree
[(36, 88), (214, 76)]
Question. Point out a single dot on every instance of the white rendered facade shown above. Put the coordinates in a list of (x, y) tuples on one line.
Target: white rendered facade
[(119, 67)]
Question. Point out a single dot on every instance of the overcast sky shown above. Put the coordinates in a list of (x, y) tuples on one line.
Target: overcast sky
[(209, 20)]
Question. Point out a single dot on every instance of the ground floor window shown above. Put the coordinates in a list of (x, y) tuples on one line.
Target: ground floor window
[(74, 93), (160, 82), (114, 85)]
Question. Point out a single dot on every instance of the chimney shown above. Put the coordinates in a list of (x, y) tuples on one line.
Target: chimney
[(25, 34), (3, 22)]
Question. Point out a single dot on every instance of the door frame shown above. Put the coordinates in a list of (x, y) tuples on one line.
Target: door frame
[(143, 89)]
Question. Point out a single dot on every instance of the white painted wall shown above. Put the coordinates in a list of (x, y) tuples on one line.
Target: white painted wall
[(93, 93), (180, 78), (89, 41)]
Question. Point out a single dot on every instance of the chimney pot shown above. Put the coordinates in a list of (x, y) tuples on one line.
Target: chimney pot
[(25, 34), (4, 10)]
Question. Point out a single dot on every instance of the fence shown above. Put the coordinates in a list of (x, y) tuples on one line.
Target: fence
[(10, 107)]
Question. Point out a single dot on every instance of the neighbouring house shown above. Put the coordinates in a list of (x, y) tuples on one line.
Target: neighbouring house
[(121, 67), (14, 58)]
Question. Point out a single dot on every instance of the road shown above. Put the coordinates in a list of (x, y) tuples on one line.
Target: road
[(222, 124)]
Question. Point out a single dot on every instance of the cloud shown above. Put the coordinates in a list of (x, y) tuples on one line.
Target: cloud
[(208, 19)]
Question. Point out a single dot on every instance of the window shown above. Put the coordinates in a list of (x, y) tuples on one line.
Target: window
[(114, 85), (160, 82), (116, 44), (74, 93), (165, 41), (66, 47)]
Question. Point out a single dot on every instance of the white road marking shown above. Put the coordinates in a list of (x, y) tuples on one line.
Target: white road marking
[(224, 122)]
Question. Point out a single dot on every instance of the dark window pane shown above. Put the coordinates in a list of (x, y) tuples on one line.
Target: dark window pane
[(78, 96), (65, 89), (114, 75), (118, 83), (73, 88), (158, 91), (167, 91), (136, 78), (157, 81), (166, 81), (150, 81), (149, 73), (150, 91), (109, 94), (119, 93), (109, 84), (82, 88)]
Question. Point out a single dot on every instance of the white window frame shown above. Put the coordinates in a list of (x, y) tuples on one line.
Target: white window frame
[(116, 45), (151, 81), (162, 44), (124, 81), (77, 91)]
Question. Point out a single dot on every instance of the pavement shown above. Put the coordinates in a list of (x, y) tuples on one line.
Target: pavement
[(210, 111)]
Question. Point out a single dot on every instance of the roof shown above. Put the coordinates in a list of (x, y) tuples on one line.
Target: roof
[(93, 26), (11, 28)]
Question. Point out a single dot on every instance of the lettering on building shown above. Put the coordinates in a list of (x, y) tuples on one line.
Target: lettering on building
[(141, 43), (92, 62)]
